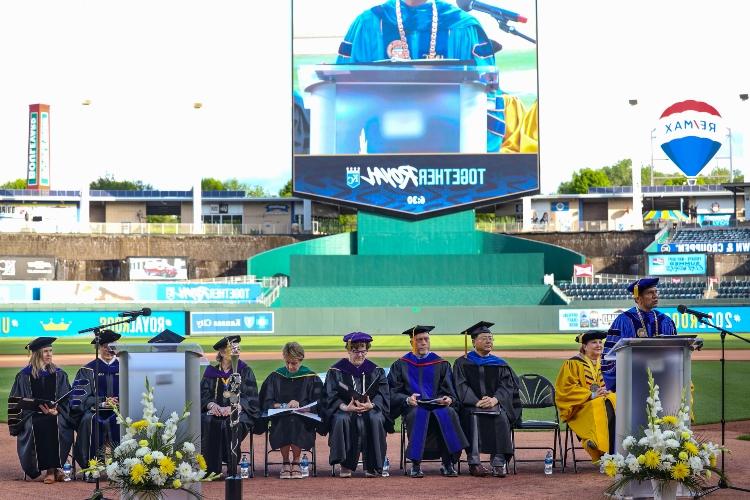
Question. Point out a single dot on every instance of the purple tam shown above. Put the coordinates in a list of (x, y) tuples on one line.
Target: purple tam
[(357, 337)]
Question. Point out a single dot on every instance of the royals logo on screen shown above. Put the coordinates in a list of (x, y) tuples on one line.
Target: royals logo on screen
[(352, 177), (690, 133)]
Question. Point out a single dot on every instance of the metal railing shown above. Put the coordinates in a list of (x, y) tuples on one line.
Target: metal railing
[(165, 228), (548, 227)]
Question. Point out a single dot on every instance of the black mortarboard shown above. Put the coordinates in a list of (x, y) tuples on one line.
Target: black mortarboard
[(223, 343), (40, 343), (107, 337), (639, 286), (166, 337), (416, 330), (590, 335), (481, 327)]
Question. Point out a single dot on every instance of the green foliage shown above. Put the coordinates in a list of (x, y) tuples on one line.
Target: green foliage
[(211, 184), (620, 174), (108, 182), (163, 219), (584, 179), (744, 437), (286, 191), (16, 184), (233, 184)]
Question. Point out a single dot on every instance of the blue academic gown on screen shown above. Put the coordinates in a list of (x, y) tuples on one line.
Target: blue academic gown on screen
[(628, 324), (459, 36)]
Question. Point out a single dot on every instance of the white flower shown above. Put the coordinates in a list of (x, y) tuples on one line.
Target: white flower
[(188, 447), (157, 476), (672, 443), (140, 452), (185, 471), (696, 464), (632, 463), (112, 469), (628, 442), (157, 455)]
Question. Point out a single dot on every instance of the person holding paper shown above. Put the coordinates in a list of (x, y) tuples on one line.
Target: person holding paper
[(215, 406), (356, 406), (293, 387), (583, 400), (422, 392), (83, 405), (487, 389), (44, 435), (641, 321)]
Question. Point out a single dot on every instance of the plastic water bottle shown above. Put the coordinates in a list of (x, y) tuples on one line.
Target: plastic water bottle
[(548, 462), (67, 471), (304, 465), (386, 467), (244, 468)]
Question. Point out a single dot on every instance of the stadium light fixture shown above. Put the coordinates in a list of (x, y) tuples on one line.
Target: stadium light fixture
[(86, 102), (632, 102), (743, 97)]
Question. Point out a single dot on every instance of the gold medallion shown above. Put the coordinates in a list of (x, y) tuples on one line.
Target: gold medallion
[(641, 332), (398, 49)]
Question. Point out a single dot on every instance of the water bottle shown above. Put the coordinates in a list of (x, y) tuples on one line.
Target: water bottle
[(244, 468), (386, 467), (66, 471), (548, 462), (304, 465)]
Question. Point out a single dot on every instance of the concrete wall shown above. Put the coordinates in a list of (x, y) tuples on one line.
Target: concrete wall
[(124, 212)]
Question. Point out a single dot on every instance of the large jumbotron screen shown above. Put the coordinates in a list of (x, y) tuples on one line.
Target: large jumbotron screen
[(415, 108)]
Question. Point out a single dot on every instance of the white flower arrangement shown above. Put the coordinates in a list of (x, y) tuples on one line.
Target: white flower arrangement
[(149, 459), (667, 451)]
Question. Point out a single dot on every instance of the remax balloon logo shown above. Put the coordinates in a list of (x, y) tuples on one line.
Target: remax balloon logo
[(691, 133)]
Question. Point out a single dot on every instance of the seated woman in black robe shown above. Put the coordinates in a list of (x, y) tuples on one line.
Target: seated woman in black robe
[(215, 406), (292, 386), (356, 404), (45, 435)]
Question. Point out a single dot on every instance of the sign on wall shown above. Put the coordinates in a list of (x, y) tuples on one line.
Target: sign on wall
[(676, 264), (27, 268), (68, 323), (728, 317), (157, 268), (223, 323)]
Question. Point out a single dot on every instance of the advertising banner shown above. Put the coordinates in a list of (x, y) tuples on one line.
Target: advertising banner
[(728, 317), (68, 323), (713, 247), (583, 270), (27, 268), (208, 292), (157, 269), (224, 323), (676, 264)]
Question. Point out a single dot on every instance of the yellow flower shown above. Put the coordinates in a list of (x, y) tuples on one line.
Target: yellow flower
[(641, 459), (708, 474), (166, 466), (680, 471), (176, 484), (147, 459), (690, 448), (712, 460), (137, 473), (201, 461), (178, 455), (682, 456), (669, 419), (143, 442), (610, 468), (651, 459), (685, 435), (138, 425), (93, 462)]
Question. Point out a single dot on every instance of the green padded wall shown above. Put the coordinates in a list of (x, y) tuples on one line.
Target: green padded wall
[(277, 261)]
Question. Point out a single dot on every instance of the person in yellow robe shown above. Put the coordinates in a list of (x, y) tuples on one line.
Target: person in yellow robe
[(582, 399)]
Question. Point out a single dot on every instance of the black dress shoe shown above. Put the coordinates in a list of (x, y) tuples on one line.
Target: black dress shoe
[(447, 470), (500, 470), (416, 470), (478, 470)]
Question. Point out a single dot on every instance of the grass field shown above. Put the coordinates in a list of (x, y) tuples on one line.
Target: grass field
[(551, 341), (706, 376)]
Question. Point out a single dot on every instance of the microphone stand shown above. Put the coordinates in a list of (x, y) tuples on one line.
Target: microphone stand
[(233, 482), (723, 484), (502, 22), (97, 494)]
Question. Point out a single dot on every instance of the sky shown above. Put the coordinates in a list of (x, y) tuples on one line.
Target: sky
[(143, 64)]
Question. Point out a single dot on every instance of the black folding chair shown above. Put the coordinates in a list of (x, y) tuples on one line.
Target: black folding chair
[(402, 456), (269, 450), (537, 392), (569, 434)]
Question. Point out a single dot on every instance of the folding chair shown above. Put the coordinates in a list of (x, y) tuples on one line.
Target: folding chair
[(402, 456), (538, 392), (572, 448), (269, 450)]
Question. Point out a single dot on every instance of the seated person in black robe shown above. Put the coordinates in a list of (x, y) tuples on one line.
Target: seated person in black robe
[(291, 386), (422, 392), (487, 389), (45, 435), (83, 402), (355, 402), (216, 432)]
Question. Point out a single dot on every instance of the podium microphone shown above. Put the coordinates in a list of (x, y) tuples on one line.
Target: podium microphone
[(134, 314), (496, 12), (700, 315)]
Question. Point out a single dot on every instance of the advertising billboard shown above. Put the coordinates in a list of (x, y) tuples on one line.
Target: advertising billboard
[(157, 268), (68, 323), (412, 118), (676, 264), (223, 323), (38, 169), (729, 317), (27, 268)]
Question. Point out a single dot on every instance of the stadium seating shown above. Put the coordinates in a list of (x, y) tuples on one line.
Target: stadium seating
[(711, 235), (734, 289), (617, 291)]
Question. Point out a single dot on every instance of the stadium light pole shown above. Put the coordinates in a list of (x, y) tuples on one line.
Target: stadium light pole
[(635, 168), (197, 190), (84, 212)]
